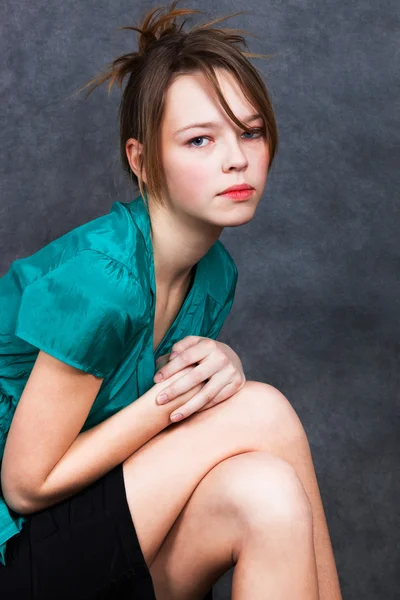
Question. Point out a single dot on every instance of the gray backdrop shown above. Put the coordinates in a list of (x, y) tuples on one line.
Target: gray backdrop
[(317, 310)]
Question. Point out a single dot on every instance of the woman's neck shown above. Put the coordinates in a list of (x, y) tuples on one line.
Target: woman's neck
[(177, 248)]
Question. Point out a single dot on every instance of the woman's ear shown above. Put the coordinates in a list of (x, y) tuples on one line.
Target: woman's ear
[(133, 150)]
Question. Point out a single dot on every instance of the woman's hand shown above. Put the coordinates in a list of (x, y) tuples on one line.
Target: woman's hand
[(162, 360), (216, 364)]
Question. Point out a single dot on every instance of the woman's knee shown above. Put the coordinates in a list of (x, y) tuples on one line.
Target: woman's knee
[(263, 491), (269, 410)]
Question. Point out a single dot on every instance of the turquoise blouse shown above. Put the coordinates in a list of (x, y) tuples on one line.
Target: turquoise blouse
[(88, 299)]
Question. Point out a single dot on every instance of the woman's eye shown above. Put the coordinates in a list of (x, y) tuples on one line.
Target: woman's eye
[(202, 137), (254, 131)]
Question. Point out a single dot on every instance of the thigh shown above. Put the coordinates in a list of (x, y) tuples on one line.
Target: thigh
[(83, 548), (161, 476), (242, 498)]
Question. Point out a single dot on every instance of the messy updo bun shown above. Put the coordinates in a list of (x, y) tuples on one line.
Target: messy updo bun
[(166, 51)]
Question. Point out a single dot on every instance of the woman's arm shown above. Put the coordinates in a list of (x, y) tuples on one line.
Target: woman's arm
[(46, 459)]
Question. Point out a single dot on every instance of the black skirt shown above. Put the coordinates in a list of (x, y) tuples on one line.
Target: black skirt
[(84, 548)]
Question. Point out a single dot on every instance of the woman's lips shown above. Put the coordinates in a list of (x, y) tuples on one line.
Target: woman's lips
[(239, 194)]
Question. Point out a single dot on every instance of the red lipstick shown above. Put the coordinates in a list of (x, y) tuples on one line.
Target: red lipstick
[(241, 191)]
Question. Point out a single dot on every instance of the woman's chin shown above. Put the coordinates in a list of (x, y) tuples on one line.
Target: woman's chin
[(238, 215)]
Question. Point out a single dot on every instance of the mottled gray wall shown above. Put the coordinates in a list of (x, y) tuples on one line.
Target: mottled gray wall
[(317, 310)]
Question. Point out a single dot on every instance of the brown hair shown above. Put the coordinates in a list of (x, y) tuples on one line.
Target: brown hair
[(165, 51)]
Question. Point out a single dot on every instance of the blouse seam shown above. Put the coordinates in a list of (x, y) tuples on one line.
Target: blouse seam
[(74, 256), (111, 258)]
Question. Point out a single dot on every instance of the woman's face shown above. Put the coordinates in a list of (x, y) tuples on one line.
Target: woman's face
[(202, 161)]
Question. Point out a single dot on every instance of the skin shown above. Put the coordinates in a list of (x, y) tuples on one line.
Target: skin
[(230, 486), (236, 483), (195, 215)]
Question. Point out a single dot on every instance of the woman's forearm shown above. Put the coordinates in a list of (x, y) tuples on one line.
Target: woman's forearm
[(99, 449)]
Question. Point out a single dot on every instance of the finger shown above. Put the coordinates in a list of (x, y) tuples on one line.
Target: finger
[(211, 392), (183, 384), (162, 360), (227, 392), (186, 342), (199, 374), (196, 353), (174, 365)]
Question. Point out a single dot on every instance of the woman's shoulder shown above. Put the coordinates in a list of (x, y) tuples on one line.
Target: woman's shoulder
[(109, 243), (78, 298)]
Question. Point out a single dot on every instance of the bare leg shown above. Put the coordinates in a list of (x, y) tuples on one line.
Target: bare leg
[(250, 510), (161, 476)]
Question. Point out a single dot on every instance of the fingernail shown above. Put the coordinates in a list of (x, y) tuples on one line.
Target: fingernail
[(176, 417), (173, 354), (162, 398), (158, 377)]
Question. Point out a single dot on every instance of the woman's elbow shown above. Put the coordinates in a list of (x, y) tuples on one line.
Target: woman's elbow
[(19, 503), (20, 498)]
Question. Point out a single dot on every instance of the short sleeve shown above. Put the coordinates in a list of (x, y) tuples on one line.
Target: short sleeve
[(222, 314), (83, 312)]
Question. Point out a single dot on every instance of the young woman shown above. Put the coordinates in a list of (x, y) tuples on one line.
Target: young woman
[(103, 495)]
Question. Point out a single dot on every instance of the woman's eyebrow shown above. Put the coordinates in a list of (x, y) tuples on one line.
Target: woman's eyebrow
[(248, 119)]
